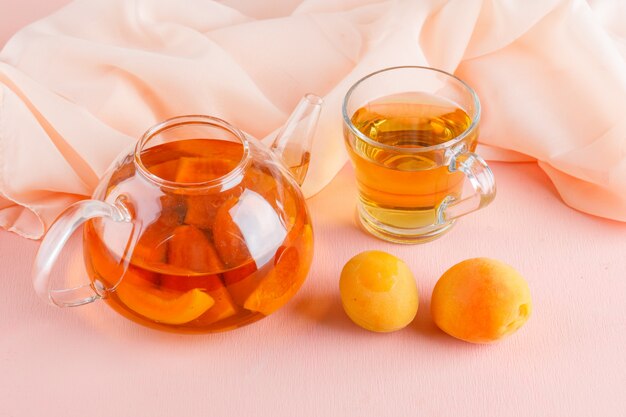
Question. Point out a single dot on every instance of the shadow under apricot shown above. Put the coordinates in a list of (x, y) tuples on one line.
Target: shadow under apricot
[(424, 327), (325, 310)]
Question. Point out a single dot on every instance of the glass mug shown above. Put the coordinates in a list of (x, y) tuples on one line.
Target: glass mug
[(411, 133)]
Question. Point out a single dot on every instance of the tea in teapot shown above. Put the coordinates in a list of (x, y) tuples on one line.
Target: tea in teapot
[(200, 229)]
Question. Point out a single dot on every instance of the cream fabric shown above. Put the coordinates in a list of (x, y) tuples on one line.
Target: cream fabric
[(79, 86)]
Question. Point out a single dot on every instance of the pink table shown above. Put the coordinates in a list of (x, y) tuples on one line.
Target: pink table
[(309, 359)]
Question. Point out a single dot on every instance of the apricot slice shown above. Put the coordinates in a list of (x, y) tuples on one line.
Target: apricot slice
[(223, 308), (150, 251), (277, 193), (261, 179), (195, 170), (201, 210), (272, 286), (480, 300), (242, 285), (173, 209), (165, 170), (190, 249), (235, 275), (161, 306), (278, 286), (229, 240), (212, 284), (378, 291)]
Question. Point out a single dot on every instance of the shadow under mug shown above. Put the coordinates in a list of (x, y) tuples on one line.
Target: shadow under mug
[(410, 185)]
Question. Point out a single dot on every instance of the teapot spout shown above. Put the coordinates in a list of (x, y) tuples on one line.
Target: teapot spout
[(293, 142)]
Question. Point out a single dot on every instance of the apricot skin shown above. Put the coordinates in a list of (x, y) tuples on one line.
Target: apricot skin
[(378, 291), (480, 300), (163, 306)]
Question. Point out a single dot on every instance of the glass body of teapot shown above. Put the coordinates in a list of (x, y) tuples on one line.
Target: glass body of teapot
[(199, 229)]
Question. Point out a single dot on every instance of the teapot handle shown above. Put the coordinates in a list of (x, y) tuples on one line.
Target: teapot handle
[(54, 241)]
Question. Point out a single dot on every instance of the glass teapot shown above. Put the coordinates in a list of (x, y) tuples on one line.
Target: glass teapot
[(200, 228)]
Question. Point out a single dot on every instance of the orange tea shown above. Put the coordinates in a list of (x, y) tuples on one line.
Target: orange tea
[(196, 266), (401, 174)]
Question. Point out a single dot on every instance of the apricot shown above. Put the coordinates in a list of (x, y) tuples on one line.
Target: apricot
[(229, 239), (270, 287), (249, 226), (223, 308), (173, 209), (165, 170), (480, 300), (232, 276), (262, 180), (278, 286), (155, 305), (201, 210), (211, 284), (163, 306), (378, 291), (201, 169), (190, 249), (150, 251)]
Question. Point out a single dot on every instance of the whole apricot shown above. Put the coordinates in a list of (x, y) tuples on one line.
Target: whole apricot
[(378, 291), (480, 300)]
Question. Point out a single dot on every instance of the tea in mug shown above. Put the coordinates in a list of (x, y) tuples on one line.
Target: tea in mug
[(396, 187)]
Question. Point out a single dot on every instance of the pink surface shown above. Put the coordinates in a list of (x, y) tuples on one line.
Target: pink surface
[(308, 359)]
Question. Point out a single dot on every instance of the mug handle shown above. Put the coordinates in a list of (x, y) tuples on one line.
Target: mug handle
[(482, 180), (54, 241)]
